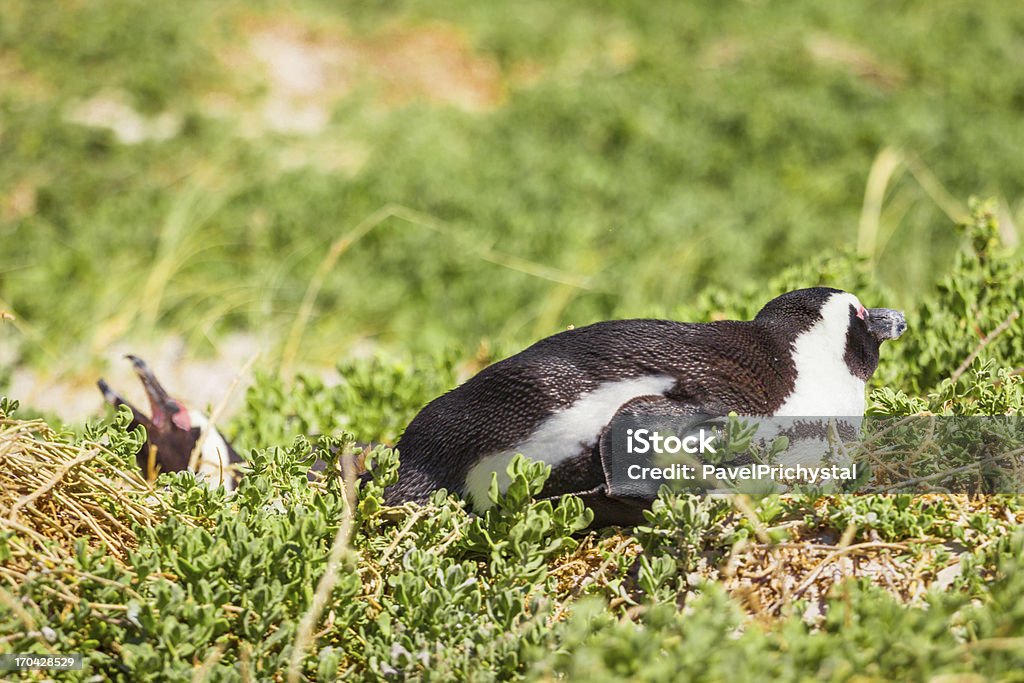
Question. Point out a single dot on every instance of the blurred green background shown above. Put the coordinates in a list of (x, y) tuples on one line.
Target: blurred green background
[(487, 173)]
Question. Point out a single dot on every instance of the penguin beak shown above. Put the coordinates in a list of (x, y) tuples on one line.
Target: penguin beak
[(162, 406), (885, 323), (109, 395), (115, 399)]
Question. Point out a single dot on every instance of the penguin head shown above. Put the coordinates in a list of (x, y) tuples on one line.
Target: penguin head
[(170, 430), (829, 323)]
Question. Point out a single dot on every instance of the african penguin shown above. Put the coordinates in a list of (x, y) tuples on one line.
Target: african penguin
[(807, 353), (173, 432)]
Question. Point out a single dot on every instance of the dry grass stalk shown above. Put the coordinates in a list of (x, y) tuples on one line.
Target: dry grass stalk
[(340, 549), (53, 493)]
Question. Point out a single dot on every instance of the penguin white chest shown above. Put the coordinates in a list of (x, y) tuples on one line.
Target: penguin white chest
[(563, 434), (213, 462), (824, 384)]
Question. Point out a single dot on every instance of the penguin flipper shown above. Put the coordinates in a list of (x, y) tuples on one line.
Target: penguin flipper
[(617, 500), (611, 511), (646, 411)]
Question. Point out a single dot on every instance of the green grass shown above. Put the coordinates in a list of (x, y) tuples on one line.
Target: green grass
[(646, 151)]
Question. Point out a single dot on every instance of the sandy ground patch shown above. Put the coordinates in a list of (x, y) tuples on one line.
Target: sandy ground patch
[(308, 70), (200, 383), (110, 110)]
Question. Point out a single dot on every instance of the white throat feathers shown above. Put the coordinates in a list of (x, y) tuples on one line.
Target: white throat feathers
[(824, 385), (214, 463)]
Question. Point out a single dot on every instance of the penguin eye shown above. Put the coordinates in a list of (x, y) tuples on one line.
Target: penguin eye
[(180, 418)]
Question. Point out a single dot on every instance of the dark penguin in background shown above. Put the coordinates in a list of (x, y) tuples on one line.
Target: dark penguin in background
[(173, 432), (807, 353)]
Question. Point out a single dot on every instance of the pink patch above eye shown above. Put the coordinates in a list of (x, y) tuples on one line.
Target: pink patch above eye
[(862, 312), (181, 419)]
